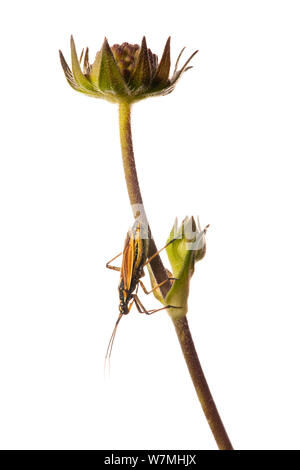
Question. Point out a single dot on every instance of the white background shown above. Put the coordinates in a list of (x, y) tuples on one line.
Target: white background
[(225, 146)]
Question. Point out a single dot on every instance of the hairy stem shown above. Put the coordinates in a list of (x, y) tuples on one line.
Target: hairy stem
[(160, 274)]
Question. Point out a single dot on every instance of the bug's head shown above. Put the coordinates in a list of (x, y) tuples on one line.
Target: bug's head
[(123, 308)]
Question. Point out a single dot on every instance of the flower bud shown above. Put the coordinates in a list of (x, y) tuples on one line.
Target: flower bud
[(188, 247), (189, 243)]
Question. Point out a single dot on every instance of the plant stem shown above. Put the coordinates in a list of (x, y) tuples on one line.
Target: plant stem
[(200, 383), (160, 274), (134, 192)]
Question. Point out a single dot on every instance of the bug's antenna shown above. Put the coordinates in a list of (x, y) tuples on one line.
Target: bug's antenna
[(111, 343)]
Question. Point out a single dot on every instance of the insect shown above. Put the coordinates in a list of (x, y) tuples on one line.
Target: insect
[(135, 258)]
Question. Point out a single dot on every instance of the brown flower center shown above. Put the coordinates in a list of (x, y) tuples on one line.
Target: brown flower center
[(126, 56)]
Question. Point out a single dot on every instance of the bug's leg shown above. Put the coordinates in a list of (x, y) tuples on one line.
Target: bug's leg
[(115, 268), (157, 253), (141, 309), (157, 286), (162, 308)]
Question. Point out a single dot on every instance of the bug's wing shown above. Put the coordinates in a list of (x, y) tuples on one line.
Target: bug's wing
[(127, 262)]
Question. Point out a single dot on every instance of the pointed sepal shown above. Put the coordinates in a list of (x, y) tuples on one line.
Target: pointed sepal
[(110, 78), (86, 62), (67, 72), (161, 77), (95, 69), (142, 72), (184, 68), (79, 77)]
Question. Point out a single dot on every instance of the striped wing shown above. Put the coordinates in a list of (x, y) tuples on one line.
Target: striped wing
[(134, 256), (127, 262)]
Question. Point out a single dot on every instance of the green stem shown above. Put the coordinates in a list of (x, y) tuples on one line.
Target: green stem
[(160, 274)]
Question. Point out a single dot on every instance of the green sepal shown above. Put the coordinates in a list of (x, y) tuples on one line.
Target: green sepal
[(79, 77), (95, 69), (179, 292), (110, 77), (68, 73), (182, 262)]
